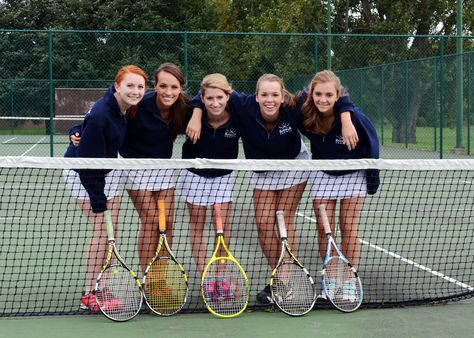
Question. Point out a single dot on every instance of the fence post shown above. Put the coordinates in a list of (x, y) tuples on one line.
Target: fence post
[(315, 46), (441, 96), (382, 108), (407, 104), (435, 106), (469, 101), (51, 94), (185, 63)]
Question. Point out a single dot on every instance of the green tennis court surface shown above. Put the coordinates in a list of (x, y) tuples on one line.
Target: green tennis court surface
[(450, 320)]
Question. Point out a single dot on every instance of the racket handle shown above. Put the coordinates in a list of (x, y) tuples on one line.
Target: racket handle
[(161, 215), (281, 224), (109, 224), (218, 218), (324, 217)]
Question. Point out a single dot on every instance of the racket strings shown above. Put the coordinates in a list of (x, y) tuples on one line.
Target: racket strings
[(118, 295), (225, 288), (343, 287), (293, 289), (165, 287)]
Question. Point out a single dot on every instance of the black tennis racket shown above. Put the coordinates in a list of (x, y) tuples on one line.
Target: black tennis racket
[(118, 290), (165, 282), (340, 280), (292, 286)]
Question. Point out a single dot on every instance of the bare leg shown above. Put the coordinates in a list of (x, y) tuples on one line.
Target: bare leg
[(288, 201), (197, 222), (330, 209), (168, 196), (349, 220), (265, 209), (226, 211), (97, 248), (148, 236)]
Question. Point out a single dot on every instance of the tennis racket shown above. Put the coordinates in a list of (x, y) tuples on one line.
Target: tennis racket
[(340, 280), (165, 281), (291, 284), (118, 290), (224, 283)]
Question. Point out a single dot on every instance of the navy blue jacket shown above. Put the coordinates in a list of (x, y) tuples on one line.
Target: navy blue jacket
[(220, 143), (71, 150), (102, 134), (283, 142), (148, 135), (331, 146)]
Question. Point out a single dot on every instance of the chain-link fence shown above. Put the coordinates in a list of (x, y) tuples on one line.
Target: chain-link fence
[(417, 90)]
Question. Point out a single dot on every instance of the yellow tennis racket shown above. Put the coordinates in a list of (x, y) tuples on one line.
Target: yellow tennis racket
[(118, 290), (165, 282), (224, 284)]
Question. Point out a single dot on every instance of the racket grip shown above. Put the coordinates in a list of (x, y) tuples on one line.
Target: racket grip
[(161, 215), (324, 217), (281, 224), (109, 224)]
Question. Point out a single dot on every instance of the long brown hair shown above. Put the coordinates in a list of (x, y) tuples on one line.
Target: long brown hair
[(178, 109), (312, 120)]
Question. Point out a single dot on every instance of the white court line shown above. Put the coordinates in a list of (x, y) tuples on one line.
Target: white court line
[(408, 261), (33, 146), (13, 138)]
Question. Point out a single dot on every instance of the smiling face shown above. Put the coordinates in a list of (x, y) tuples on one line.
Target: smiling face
[(130, 90), (269, 98), (168, 89), (215, 100), (325, 96)]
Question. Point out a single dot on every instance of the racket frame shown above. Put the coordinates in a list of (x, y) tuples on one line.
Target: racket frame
[(331, 244), (286, 249), (221, 243), (113, 252), (164, 242)]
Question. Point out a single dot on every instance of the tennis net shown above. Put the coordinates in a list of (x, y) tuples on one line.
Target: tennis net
[(416, 233)]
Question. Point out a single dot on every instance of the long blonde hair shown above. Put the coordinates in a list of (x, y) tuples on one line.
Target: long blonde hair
[(312, 119)]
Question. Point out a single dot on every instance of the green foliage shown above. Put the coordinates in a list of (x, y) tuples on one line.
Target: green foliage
[(90, 58)]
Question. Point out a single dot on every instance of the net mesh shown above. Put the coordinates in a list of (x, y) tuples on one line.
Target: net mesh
[(224, 287), (118, 295), (292, 289), (165, 287), (416, 232)]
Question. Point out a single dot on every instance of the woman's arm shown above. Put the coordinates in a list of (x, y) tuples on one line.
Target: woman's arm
[(349, 133), (345, 106), (193, 130)]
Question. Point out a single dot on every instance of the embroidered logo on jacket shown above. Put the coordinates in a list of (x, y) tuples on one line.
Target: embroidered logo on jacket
[(230, 133), (284, 128), (339, 139)]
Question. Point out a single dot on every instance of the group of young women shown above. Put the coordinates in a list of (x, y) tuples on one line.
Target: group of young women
[(268, 123)]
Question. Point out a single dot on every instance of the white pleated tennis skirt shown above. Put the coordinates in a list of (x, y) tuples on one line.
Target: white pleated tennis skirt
[(278, 180), (149, 179), (325, 186), (205, 191), (114, 184)]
